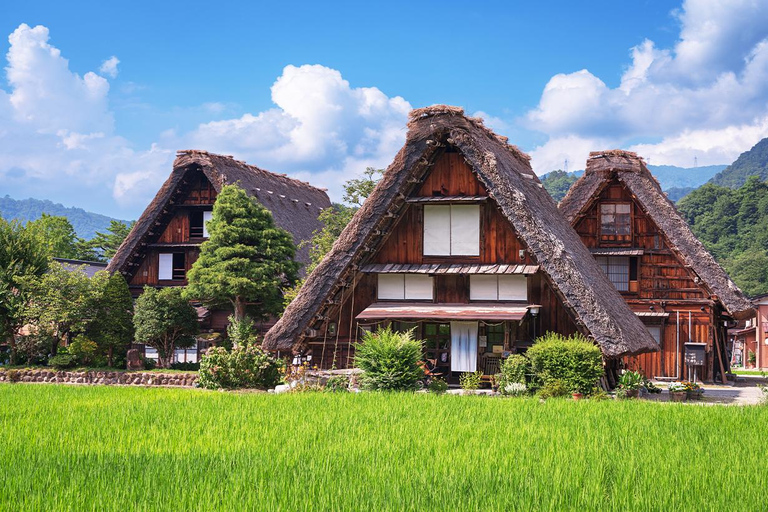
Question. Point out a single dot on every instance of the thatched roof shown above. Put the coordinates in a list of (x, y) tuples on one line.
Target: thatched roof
[(295, 205), (629, 169), (506, 173)]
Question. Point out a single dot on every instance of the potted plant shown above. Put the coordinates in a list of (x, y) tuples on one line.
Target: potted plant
[(693, 390), (678, 392), (631, 382), (577, 395)]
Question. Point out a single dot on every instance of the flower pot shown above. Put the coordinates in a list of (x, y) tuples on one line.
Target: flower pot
[(678, 396), (695, 395), (633, 393), (578, 396)]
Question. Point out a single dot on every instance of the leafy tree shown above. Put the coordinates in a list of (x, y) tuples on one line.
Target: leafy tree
[(165, 320), (558, 182), (107, 243), (749, 270), (246, 261), (22, 256), (112, 325), (60, 303), (357, 190), (57, 234)]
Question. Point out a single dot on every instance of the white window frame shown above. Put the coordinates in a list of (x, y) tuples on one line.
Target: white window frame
[(207, 215), (498, 287), (405, 287), (451, 230), (165, 266)]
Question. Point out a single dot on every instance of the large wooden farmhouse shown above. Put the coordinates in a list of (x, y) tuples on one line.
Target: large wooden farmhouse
[(660, 268), (165, 241), (461, 241)]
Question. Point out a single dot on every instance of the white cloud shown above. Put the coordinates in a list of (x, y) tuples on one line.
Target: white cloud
[(706, 97), (109, 67)]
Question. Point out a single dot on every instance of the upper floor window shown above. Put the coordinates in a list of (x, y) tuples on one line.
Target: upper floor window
[(405, 287), (617, 269), (498, 287), (615, 219), (171, 266), (452, 230), (197, 224)]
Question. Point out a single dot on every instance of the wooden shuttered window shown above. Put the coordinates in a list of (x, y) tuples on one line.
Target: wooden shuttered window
[(452, 230)]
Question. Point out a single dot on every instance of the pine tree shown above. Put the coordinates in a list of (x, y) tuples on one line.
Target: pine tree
[(247, 261)]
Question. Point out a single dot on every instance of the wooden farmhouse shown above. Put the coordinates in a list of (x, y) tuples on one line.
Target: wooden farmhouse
[(671, 282), (165, 241), (461, 241)]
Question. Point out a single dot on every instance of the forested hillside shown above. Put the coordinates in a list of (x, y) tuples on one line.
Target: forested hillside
[(750, 163), (86, 224), (733, 225)]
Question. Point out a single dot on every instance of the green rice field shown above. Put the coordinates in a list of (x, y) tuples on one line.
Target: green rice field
[(110, 448)]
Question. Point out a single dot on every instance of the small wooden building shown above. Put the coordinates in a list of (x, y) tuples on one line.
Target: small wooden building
[(165, 241), (461, 241), (671, 282)]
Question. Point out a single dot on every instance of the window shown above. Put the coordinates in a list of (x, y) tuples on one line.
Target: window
[(655, 331), (197, 224), (494, 338), (437, 343), (615, 219), (171, 266), (405, 286), (498, 287), (617, 270), (452, 230)]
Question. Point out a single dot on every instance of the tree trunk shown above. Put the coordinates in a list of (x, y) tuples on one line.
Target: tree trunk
[(239, 308), (109, 356)]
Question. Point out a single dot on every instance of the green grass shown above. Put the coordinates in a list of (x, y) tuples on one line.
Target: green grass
[(749, 372), (108, 448)]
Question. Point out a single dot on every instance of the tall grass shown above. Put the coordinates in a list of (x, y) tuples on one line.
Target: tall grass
[(106, 448)]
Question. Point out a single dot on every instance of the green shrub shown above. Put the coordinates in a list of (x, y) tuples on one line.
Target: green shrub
[(83, 350), (389, 360), (631, 380), (63, 361), (554, 388), (471, 380), (245, 366), (337, 384), (437, 386), (149, 364), (574, 361), (187, 367), (514, 369)]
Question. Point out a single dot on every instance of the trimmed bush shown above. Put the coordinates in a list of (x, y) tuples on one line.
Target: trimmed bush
[(242, 367), (63, 361), (554, 388), (389, 360), (573, 360)]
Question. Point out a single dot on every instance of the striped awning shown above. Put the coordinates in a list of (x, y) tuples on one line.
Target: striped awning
[(616, 251), (447, 199), (447, 268), (652, 314), (410, 311)]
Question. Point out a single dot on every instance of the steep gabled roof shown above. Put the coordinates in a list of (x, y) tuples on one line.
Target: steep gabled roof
[(295, 205), (629, 169), (506, 173)]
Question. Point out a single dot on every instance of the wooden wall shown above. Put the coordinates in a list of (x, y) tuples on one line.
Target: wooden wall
[(665, 283), (147, 272)]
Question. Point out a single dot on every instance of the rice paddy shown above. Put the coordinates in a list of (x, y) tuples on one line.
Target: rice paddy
[(109, 448)]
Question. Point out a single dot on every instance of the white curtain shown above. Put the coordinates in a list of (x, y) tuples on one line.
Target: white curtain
[(463, 346)]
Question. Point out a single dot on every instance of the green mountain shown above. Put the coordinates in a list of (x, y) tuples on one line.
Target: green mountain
[(86, 224), (750, 163)]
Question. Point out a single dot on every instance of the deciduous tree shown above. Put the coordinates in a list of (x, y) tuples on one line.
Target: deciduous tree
[(165, 320)]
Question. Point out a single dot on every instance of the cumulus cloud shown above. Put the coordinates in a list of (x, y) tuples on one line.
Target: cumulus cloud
[(57, 136), (109, 67), (706, 97), (322, 129)]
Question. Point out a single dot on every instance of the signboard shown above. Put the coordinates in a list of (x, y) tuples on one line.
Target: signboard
[(695, 353)]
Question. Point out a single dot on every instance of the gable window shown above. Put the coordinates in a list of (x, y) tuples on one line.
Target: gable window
[(405, 287), (615, 219), (498, 287), (452, 230), (197, 224), (617, 270), (171, 266)]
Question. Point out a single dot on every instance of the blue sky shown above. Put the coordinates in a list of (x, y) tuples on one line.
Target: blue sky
[(321, 90)]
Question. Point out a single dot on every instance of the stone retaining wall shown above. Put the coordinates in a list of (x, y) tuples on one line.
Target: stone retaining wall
[(99, 377)]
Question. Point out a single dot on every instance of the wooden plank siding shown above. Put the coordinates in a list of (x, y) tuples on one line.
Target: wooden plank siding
[(499, 244), (664, 283)]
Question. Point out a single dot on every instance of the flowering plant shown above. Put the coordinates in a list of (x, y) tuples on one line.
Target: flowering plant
[(676, 386), (685, 385)]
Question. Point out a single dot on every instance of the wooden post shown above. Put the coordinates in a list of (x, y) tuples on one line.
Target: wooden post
[(723, 378)]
